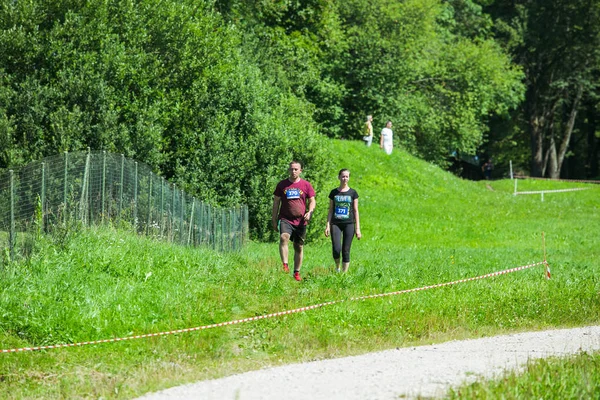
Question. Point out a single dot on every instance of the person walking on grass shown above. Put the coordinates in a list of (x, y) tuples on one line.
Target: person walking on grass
[(343, 220), (386, 139), (290, 215)]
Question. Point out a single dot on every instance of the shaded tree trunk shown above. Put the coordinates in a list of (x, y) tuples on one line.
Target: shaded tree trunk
[(537, 168), (550, 156), (558, 49), (566, 139), (551, 167), (536, 130), (549, 162), (542, 126), (591, 164)]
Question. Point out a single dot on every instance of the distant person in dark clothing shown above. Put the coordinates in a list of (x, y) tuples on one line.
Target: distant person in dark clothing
[(343, 220), (487, 168)]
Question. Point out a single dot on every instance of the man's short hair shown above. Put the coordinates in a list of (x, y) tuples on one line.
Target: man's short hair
[(296, 162)]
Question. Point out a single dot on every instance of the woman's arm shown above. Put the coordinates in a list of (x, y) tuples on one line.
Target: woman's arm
[(356, 218), (329, 214)]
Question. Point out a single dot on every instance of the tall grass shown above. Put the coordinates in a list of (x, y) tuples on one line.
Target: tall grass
[(420, 226), (576, 377)]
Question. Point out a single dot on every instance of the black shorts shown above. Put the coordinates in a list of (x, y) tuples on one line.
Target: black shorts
[(297, 232)]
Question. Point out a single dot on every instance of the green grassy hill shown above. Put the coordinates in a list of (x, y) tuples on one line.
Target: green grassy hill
[(420, 226)]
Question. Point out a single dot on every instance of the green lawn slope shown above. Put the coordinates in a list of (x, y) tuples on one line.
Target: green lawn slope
[(420, 225)]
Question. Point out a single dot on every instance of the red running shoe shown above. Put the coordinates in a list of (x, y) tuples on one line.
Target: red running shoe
[(297, 276), (286, 268)]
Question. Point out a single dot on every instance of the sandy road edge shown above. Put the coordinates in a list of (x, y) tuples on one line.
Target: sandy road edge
[(415, 371)]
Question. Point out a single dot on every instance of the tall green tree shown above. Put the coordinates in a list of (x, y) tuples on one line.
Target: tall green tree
[(557, 44), (414, 63), (300, 44), (430, 66)]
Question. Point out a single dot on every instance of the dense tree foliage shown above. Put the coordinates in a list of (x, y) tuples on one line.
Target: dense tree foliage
[(558, 45), (162, 82), (429, 66)]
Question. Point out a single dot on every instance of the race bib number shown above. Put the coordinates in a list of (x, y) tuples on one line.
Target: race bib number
[(291, 194), (341, 212)]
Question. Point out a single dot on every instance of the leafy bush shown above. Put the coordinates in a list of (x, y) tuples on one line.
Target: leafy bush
[(162, 82)]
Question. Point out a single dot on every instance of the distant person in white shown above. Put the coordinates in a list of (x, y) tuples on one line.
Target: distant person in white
[(386, 141)]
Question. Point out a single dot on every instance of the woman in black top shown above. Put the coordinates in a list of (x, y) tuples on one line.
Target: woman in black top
[(343, 221)]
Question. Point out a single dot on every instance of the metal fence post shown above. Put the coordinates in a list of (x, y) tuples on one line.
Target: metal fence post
[(43, 197), (172, 215), (103, 183), (65, 189), (135, 184), (232, 245), (223, 229), (162, 200), (197, 224), (239, 227), (181, 223), (209, 226), (121, 187), (84, 200), (11, 237), (149, 204), (191, 221), (90, 198), (246, 224), (235, 223), (201, 223)]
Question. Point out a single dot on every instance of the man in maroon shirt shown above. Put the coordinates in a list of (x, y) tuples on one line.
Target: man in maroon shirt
[(290, 215)]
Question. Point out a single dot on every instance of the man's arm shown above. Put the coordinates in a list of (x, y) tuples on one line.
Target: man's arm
[(276, 204), (311, 208)]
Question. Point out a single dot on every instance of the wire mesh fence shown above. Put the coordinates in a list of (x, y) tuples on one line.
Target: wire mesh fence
[(93, 188)]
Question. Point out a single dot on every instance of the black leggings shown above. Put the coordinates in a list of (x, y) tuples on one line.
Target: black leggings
[(340, 245)]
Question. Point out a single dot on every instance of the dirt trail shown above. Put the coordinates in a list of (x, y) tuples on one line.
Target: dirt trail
[(403, 373)]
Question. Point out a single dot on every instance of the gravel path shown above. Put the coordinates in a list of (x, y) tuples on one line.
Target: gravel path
[(405, 372)]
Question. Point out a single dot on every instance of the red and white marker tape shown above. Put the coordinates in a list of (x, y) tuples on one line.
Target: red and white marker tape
[(280, 313), (558, 180)]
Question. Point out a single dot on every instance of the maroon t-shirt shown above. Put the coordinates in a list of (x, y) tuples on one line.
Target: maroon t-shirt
[(293, 200)]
